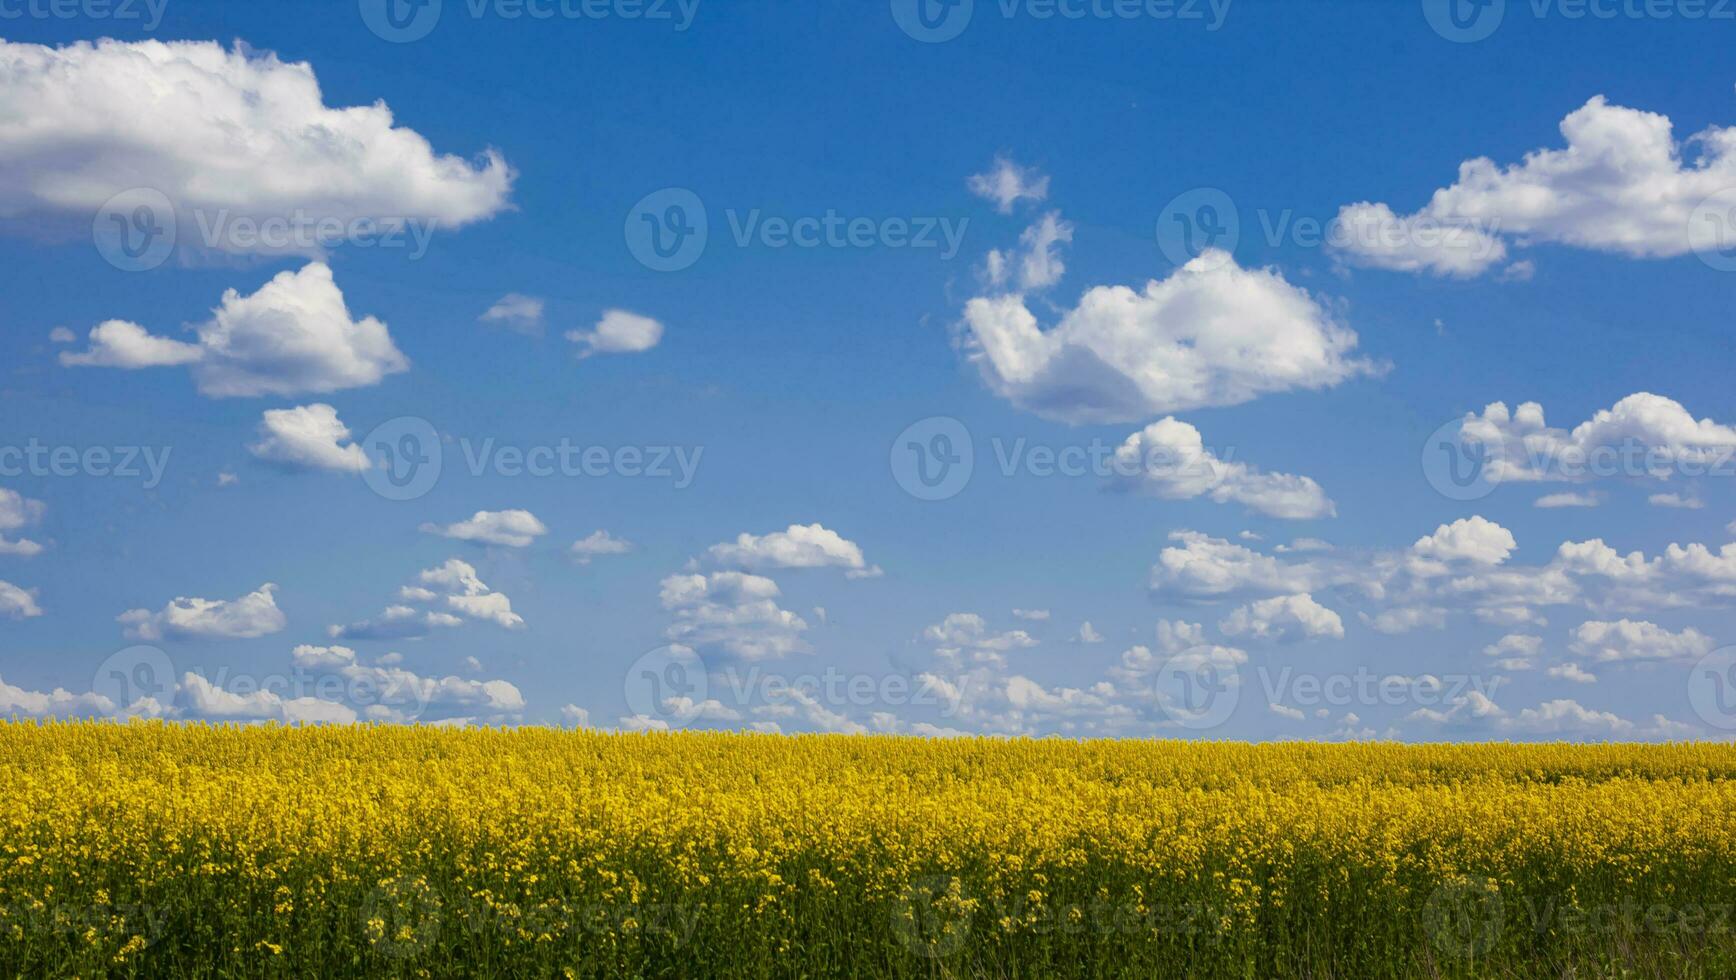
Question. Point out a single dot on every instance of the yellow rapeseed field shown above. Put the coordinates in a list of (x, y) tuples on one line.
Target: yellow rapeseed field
[(189, 850)]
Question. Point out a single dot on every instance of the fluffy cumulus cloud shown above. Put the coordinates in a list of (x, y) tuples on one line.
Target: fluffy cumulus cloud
[(18, 512), (1641, 436), (442, 597), (798, 546), (253, 615), (224, 134), (1626, 639), (1168, 459), (733, 612), (618, 332), (1006, 183), (17, 602), (294, 336), (308, 437), (967, 638), (1515, 651), (1623, 184), (1212, 333), (1285, 618), (1463, 568), (1473, 539), (598, 544), (508, 528)]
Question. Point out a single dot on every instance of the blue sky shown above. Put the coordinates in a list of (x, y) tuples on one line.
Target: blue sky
[(995, 250)]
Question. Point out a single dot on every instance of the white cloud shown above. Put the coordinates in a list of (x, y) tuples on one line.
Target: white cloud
[(575, 716), (18, 512), (1088, 633), (1627, 640), (467, 595), (798, 546), (62, 335), (523, 314), (1473, 539), (1641, 435), (1676, 501), (253, 615), (294, 336), (598, 544), (1007, 183), (1572, 673), (1285, 618), (310, 657), (1031, 615), (508, 528), (1515, 651), (18, 603), (310, 436), (395, 623), (618, 332), (1623, 184), (732, 611), (1213, 333), (1568, 499), (967, 638), (1039, 265), (1168, 459), (225, 135), (1405, 619), (1204, 567), (120, 344)]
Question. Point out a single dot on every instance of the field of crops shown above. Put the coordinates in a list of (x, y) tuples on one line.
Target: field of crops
[(164, 850)]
